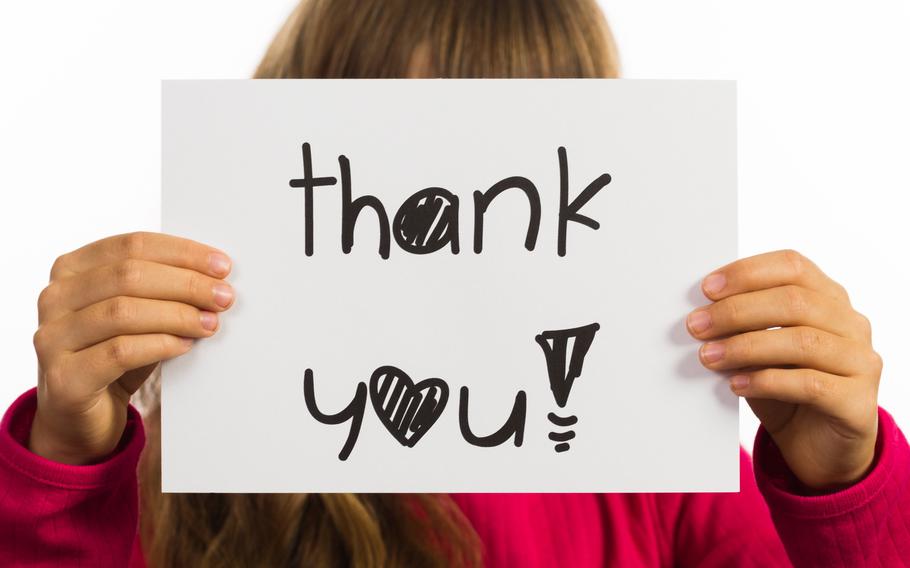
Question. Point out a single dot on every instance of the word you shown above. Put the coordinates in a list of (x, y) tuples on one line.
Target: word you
[(427, 221), (408, 410)]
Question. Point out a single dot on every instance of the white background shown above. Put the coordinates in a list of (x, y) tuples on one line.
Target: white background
[(823, 133)]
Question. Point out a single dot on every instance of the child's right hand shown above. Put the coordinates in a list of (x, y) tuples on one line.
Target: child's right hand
[(112, 311)]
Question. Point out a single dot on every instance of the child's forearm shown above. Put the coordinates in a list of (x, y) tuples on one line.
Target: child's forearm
[(867, 524)]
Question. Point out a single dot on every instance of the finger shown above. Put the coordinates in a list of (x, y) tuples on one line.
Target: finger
[(123, 315), (101, 364), (799, 346), (796, 386), (143, 279), (770, 270), (783, 306), (153, 247)]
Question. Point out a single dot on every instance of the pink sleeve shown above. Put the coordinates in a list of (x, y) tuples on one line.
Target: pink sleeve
[(53, 514), (715, 530), (867, 524)]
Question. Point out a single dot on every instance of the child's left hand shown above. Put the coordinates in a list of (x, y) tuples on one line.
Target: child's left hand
[(813, 382)]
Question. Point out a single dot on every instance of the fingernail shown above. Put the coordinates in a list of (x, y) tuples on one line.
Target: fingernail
[(224, 294), (219, 263), (712, 352), (187, 342), (714, 283), (209, 320), (739, 382), (698, 321)]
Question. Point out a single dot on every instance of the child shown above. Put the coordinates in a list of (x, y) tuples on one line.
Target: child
[(832, 469)]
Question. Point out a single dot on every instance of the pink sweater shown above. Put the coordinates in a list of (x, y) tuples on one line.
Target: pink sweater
[(58, 515)]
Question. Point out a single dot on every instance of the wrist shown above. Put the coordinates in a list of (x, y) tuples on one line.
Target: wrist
[(845, 466), (832, 482), (44, 441)]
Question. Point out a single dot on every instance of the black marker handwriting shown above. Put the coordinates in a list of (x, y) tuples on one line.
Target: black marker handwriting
[(427, 221), (569, 211), (406, 409), (350, 211), (513, 426), (352, 412), (562, 372), (555, 344), (482, 200), (308, 183)]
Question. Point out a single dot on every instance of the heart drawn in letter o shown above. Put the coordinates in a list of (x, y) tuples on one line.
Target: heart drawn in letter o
[(407, 410)]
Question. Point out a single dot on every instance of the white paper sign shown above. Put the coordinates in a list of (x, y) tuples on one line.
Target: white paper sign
[(452, 285)]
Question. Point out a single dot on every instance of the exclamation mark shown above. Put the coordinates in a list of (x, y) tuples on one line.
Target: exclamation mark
[(564, 364)]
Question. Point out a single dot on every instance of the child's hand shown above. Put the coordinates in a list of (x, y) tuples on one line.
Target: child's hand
[(112, 311), (813, 383)]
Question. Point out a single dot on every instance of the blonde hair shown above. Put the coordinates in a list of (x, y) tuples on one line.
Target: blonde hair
[(369, 39), (462, 39)]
